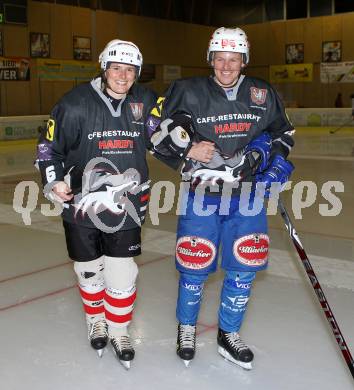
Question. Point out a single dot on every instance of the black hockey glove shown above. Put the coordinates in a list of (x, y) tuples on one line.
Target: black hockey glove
[(173, 137)]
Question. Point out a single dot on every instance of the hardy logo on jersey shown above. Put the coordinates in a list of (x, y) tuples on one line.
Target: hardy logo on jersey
[(116, 144), (137, 110), (252, 250), (195, 252), (258, 95), (232, 127), (50, 130)]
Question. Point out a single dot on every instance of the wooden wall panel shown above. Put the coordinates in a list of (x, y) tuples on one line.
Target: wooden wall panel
[(313, 95), (294, 31), (108, 25), (16, 41), (46, 96), (34, 96), (3, 102), (261, 72), (169, 42), (61, 34), (276, 43), (17, 98), (258, 36), (39, 17), (81, 21), (60, 88), (313, 40), (143, 32), (332, 28), (195, 45), (347, 37)]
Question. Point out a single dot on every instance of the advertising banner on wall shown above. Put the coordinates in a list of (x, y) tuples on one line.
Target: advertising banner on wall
[(66, 70), (294, 73), (317, 117), (14, 69), (338, 72), (21, 127)]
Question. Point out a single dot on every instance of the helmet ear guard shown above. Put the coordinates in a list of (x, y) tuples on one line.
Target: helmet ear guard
[(124, 52), (231, 40)]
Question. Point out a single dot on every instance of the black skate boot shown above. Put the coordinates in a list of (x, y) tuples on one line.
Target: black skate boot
[(98, 335), (123, 349), (232, 348), (186, 342)]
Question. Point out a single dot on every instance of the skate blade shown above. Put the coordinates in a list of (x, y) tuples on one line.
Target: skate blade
[(125, 364), (186, 362), (100, 352), (227, 356)]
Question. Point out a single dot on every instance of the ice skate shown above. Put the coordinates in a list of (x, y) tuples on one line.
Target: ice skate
[(98, 335), (186, 343), (123, 349), (232, 348)]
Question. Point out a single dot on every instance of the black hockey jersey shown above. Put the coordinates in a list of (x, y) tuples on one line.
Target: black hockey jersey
[(103, 153), (229, 118)]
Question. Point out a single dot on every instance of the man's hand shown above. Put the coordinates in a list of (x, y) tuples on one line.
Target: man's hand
[(202, 151), (63, 191)]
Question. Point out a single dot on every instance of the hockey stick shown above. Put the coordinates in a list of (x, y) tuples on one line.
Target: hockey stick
[(318, 289), (340, 127)]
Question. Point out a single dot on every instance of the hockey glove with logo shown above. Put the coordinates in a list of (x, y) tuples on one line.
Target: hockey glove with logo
[(173, 137), (276, 175)]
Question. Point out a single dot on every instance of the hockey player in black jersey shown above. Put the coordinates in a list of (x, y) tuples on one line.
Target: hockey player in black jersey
[(242, 140), (92, 160)]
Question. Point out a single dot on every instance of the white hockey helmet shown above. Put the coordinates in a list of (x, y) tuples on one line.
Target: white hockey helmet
[(229, 39), (124, 52)]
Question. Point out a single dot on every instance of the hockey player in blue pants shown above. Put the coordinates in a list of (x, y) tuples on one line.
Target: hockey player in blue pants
[(203, 236), (232, 133)]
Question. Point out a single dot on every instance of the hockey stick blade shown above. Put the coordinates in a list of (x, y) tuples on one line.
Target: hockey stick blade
[(317, 288)]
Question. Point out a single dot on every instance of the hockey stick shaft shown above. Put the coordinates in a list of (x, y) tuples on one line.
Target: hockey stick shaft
[(317, 288)]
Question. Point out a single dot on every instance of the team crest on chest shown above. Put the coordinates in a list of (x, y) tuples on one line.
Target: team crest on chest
[(258, 95), (137, 110)]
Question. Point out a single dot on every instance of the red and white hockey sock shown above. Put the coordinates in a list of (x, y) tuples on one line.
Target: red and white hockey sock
[(91, 288), (119, 306), (93, 303)]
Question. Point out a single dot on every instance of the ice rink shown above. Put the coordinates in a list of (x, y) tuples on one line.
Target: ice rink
[(43, 333)]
